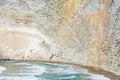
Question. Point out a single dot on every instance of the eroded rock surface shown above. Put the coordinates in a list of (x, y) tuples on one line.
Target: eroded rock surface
[(77, 31)]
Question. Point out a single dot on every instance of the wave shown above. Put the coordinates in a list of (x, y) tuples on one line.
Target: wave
[(98, 77), (2, 69), (71, 77), (18, 78), (33, 70)]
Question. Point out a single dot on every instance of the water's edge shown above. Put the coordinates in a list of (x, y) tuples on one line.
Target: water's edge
[(91, 69)]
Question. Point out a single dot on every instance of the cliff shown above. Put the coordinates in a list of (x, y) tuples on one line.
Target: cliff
[(76, 31)]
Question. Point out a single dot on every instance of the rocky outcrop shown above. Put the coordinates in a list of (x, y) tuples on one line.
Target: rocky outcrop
[(77, 31), (113, 59)]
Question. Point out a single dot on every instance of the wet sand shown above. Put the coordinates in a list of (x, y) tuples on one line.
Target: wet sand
[(94, 70)]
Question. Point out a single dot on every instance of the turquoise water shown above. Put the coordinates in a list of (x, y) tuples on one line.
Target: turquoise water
[(44, 71)]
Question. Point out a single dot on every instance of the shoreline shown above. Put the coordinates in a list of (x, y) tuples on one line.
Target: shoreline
[(91, 69)]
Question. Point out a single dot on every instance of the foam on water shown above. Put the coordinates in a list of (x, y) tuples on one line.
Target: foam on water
[(71, 77), (98, 77), (33, 70), (44, 71), (23, 64), (2, 69), (18, 78), (69, 71)]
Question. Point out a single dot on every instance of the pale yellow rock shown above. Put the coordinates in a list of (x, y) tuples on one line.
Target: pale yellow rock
[(75, 31)]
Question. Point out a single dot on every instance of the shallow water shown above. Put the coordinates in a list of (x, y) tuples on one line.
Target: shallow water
[(44, 71)]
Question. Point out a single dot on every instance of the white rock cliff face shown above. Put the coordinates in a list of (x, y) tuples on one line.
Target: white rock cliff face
[(76, 31)]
